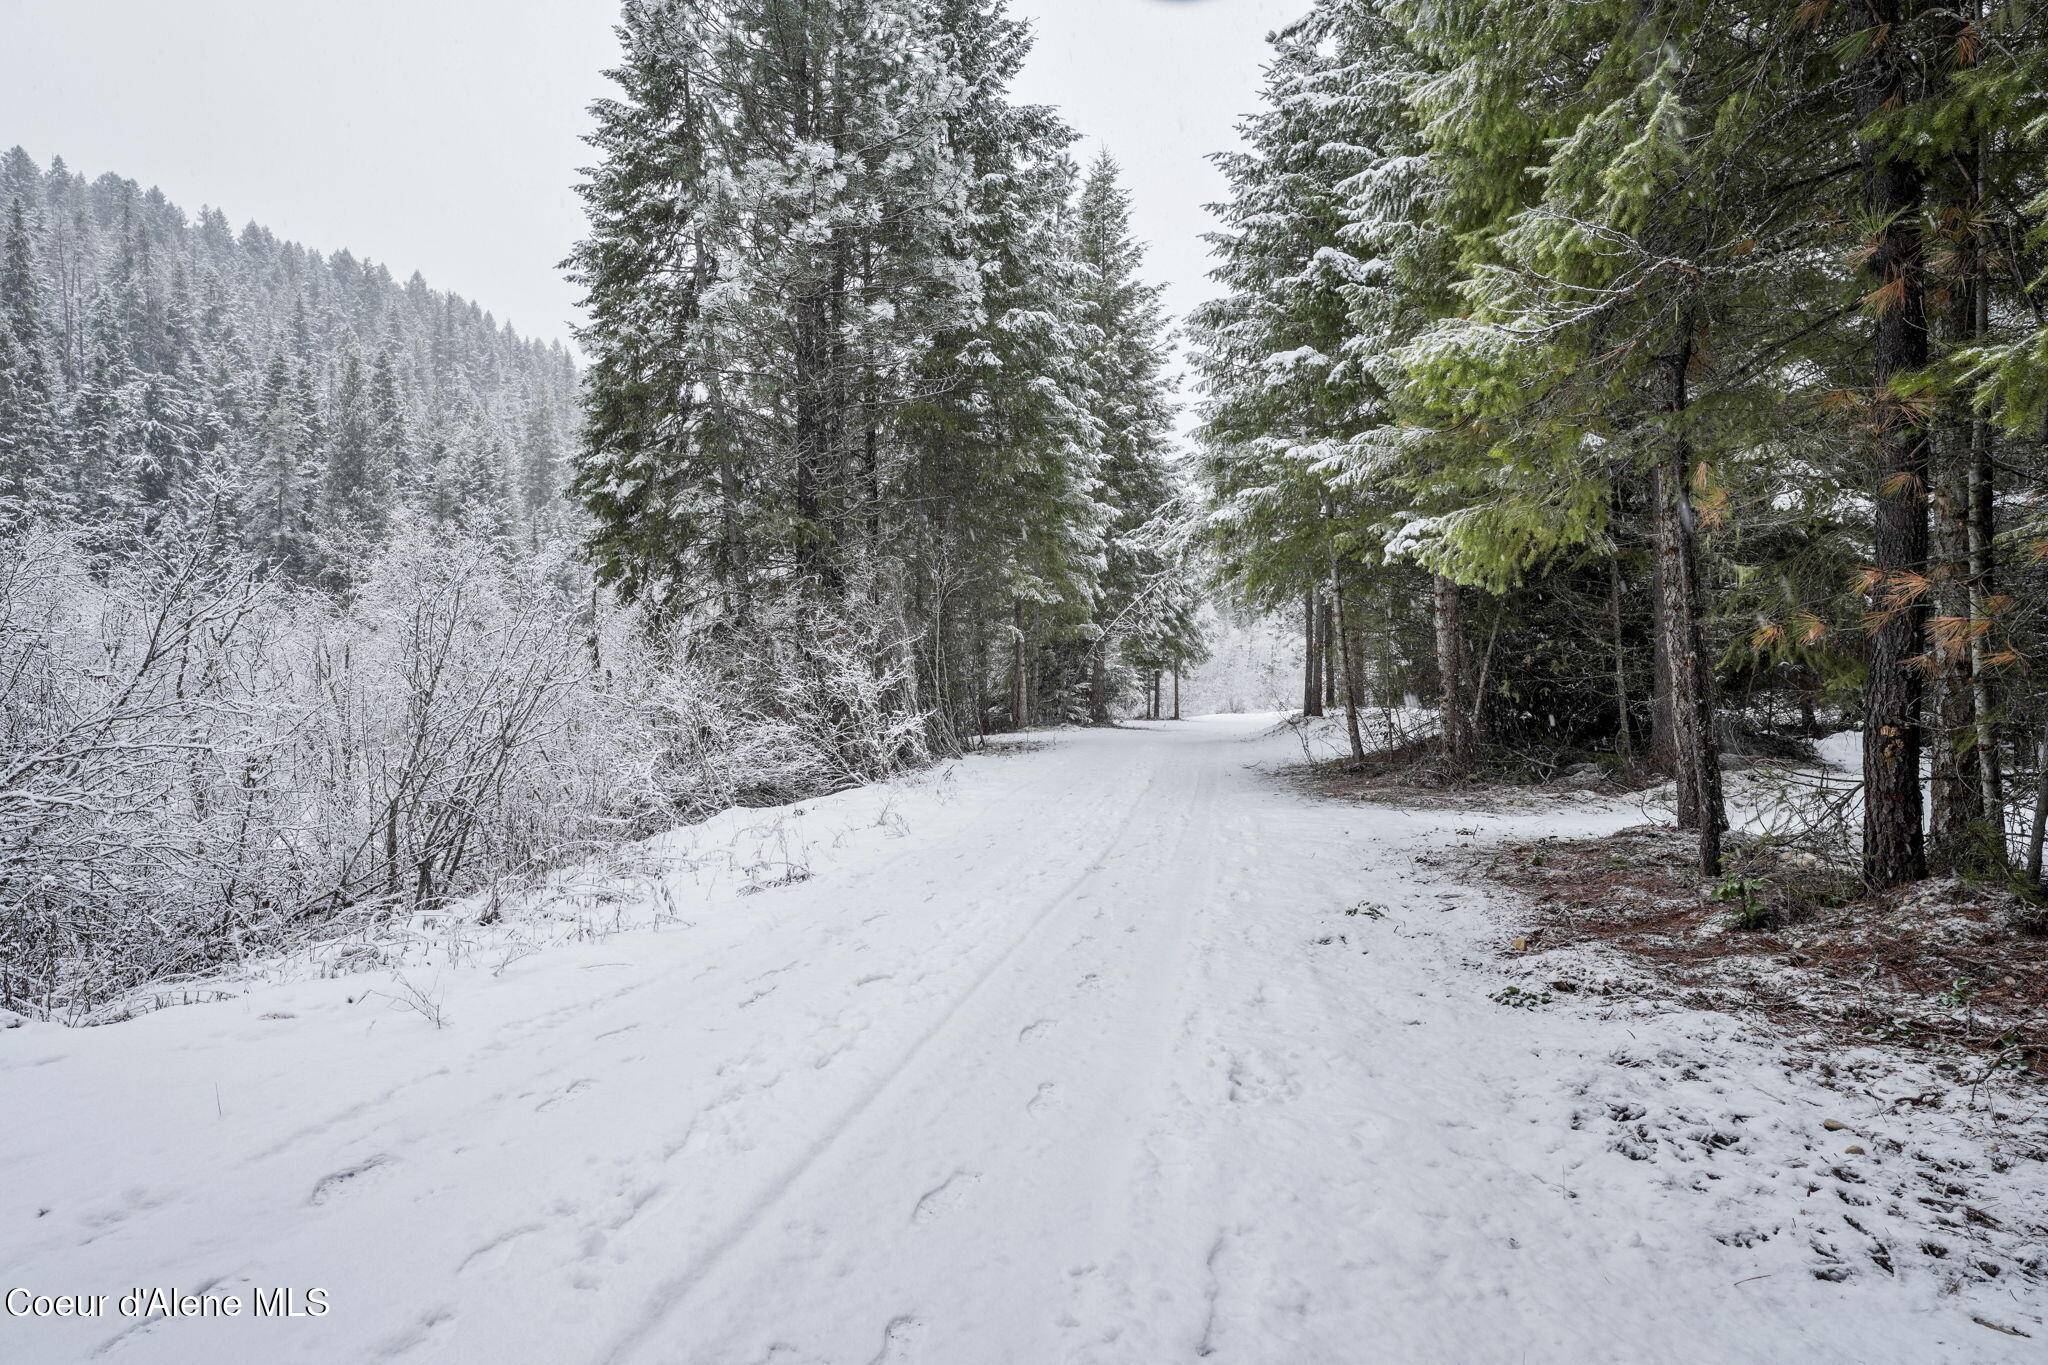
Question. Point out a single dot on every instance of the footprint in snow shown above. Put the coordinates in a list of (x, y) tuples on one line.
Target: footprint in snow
[(943, 1197), (331, 1183), (415, 1336), (574, 1087), (635, 1204), (498, 1243), (898, 1337)]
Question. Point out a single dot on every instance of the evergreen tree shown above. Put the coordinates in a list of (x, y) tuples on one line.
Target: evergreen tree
[(1002, 468), (28, 427), (474, 484), (1297, 410), (94, 436), (1138, 598), (540, 462), (280, 493), (355, 485)]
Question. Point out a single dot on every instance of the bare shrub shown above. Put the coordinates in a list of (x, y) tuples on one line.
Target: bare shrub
[(198, 764)]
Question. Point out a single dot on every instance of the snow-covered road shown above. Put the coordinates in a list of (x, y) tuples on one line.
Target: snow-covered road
[(1071, 1054)]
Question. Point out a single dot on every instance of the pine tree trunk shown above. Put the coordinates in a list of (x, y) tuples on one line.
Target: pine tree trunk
[(1663, 717), (1017, 663), (1980, 531), (1176, 690), (1692, 679), (1675, 743), (1098, 684), (812, 442), (1983, 529), (1450, 670), (1957, 823), (1894, 849), (1477, 719), (2039, 833), (1624, 738), (1312, 664), (1955, 796), (978, 691), (1326, 635), (1347, 651)]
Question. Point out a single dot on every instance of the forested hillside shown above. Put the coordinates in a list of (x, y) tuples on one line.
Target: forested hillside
[(285, 590), (1630, 378), (168, 371)]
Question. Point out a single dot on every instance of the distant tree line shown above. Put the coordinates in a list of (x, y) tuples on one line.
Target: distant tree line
[(164, 375)]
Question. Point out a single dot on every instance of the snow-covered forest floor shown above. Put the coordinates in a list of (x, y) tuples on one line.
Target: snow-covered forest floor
[(1110, 1047)]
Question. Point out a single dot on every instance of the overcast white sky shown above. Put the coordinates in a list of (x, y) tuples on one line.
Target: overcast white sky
[(442, 135)]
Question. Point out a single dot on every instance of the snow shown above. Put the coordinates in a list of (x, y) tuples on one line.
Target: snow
[(1067, 1053), (1841, 751)]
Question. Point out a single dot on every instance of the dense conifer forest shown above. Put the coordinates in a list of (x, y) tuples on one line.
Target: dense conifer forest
[(1627, 379), (873, 363), (171, 374)]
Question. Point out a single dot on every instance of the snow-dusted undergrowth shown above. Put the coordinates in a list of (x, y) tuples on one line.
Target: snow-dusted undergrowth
[(201, 766)]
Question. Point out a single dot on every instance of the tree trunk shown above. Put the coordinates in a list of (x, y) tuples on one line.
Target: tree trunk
[(1312, 662), (1894, 850), (813, 441), (1962, 814), (1176, 690), (1980, 531), (1098, 684), (1674, 744), (1692, 679), (1017, 663), (1955, 796), (1624, 738), (979, 680), (1450, 670), (1326, 634), (1477, 721), (1347, 653), (1663, 719), (2039, 833)]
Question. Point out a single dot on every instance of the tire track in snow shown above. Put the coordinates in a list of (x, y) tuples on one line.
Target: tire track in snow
[(672, 1294)]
